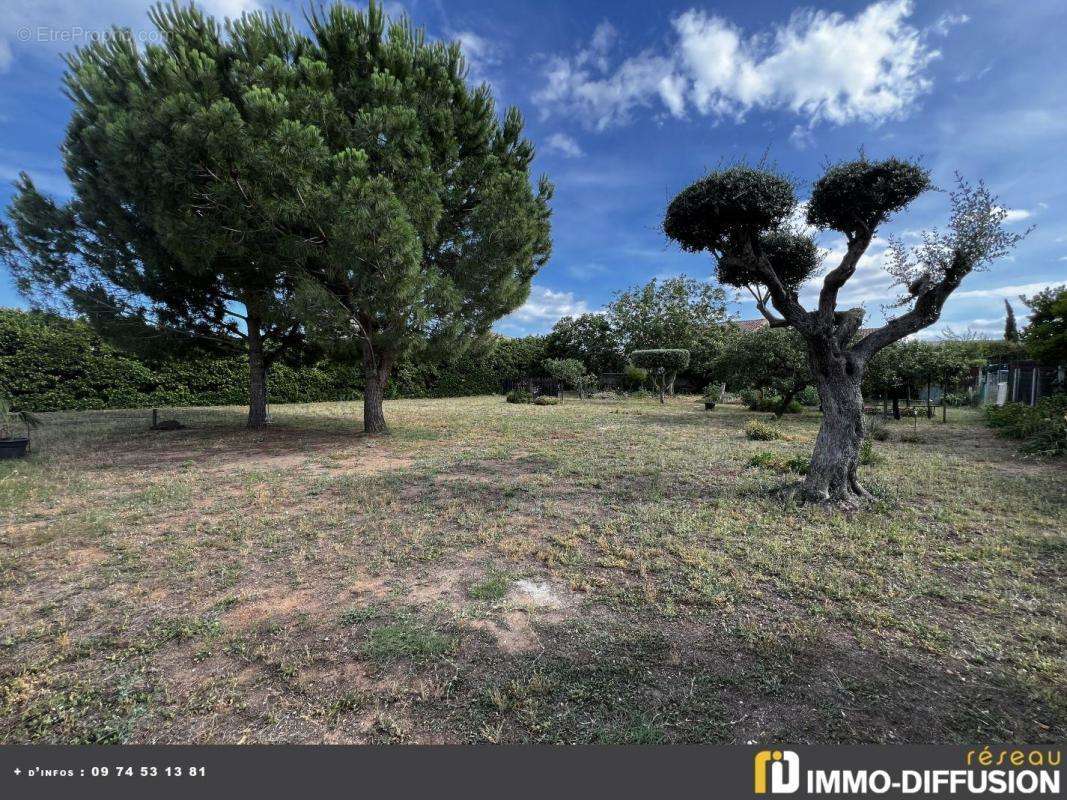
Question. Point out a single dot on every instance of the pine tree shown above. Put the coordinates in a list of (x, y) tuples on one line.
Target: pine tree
[(176, 155), (246, 181), (427, 228)]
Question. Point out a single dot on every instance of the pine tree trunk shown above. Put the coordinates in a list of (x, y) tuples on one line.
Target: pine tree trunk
[(257, 371), (376, 375), (832, 476)]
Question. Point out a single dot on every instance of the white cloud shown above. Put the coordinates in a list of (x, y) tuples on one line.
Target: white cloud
[(870, 283), (47, 26), (481, 54), (1016, 215), (946, 22), (543, 309), (606, 101), (563, 144), (822, 66), (1005, 291), (802, 138)]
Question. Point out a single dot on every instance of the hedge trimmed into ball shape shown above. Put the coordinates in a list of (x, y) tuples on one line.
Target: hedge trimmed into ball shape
[(854, 196), (669, 360), (708, 213), (794, 257)]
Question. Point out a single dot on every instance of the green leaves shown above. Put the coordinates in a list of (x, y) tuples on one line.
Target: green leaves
[(856, 196), (738, 201), (667, 360)]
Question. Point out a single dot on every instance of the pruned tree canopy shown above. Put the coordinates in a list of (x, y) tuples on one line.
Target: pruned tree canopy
[(667, 360)]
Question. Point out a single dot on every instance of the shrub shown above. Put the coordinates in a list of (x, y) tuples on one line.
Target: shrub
[(520, 396), (546, 400), (49, 363), (912, 437), (634, 378), (1043, 427), (767, 402), (759, 431), (1050, 439), (712, 393), (781, 463), (809, 397), (867, 454)]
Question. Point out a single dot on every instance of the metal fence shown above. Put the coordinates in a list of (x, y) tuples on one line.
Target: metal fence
[(1017, 382), (535, 386)]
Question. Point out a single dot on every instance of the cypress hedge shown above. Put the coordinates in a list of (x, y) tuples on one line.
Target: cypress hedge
[(49, 363)]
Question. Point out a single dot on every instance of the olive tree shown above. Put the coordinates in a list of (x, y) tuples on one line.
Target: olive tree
[(741, 216), (663, 365)]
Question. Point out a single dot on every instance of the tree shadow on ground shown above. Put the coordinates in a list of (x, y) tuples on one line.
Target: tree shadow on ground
[(691, 682)]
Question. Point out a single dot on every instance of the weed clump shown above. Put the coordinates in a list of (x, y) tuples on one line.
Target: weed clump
[(762, 432)]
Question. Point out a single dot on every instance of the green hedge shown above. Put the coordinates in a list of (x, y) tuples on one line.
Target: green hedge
[(48, 363)]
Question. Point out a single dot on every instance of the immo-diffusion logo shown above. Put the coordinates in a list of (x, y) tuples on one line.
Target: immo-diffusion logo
[(783, 766)]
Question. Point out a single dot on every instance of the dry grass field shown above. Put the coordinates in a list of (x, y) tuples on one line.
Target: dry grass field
[(599, 571)]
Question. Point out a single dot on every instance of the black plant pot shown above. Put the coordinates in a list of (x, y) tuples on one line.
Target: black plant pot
[(13, 448), (708, 405)]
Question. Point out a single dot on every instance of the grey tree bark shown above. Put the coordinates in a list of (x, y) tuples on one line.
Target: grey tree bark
[(832, 476)]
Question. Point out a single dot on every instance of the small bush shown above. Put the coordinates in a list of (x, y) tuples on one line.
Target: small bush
[(712, 393), (809, 397), (759, 431), (546, 400), (956, 399), (1043, 427), (767, 401), (634, 378), (607, 395), (781, 463), (520, 396), (867, 454), (912, 437)]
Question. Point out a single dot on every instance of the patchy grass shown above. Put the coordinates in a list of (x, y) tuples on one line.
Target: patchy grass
[(598, 571)]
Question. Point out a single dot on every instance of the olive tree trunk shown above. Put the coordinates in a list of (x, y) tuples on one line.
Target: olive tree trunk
[(376, 375), (257, 371), (832, 476)]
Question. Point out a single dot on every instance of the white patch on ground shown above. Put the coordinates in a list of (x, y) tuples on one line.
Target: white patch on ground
[(536, 594)]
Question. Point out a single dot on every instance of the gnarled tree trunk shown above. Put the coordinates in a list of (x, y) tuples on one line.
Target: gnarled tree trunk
[(832, 476), (376, 375), (257, 370)]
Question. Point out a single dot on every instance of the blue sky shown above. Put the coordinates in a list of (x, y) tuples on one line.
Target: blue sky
[(629, 102)]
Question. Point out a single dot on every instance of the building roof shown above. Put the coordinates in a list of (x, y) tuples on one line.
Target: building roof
[(751, 324)]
